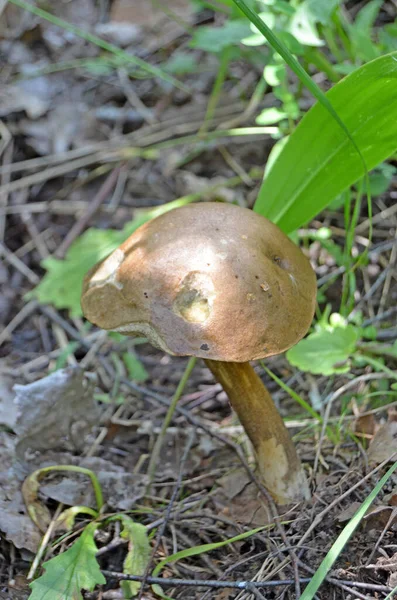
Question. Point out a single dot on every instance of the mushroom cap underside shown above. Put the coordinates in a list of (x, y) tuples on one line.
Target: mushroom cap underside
[(211, 280)]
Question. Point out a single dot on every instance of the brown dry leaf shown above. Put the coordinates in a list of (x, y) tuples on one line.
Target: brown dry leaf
[(376, 517), (239, 499), (384, 444), (365, 424), (147, 14)]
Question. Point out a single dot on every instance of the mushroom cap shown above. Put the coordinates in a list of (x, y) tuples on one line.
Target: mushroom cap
[(211, 280)]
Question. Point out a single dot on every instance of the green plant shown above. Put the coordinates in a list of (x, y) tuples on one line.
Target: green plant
[(337, 547), (335, 345)]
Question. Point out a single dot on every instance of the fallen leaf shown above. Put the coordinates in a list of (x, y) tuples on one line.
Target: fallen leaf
[(57, 411), (240, 500), (19, 529), (365, 424), (384, 444), (13, 99)]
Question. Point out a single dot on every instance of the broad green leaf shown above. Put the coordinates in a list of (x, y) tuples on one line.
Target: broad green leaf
[(136, 370), (62, 284), (216, 39), (70, 572), (318, 162), (138, 555), (325, 352)]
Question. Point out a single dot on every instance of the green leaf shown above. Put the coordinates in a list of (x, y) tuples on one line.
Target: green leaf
[(138, 556), (274, 74), (70, 572), (216, 39), (308, 14), (325, 352), (319, 162), (381, 179), (181, 63), (360, 32), (136, 370), (270, 115)]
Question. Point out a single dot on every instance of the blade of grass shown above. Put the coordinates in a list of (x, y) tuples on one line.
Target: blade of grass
[(391, 595), (199, 550), (340, 543), (305, 405), (154, 459), (305, 78), (89, 37)]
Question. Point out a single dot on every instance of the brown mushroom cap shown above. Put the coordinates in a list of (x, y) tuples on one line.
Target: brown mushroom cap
[(211, 280)]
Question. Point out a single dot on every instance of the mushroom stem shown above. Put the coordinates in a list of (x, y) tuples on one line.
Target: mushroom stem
[(279, 464)]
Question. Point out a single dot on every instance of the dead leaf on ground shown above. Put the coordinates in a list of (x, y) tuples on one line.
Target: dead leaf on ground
[(384, 443), (365, 424), (376, 517), (14, 522), (240, 500), (13, 99), (8, 409), (388, 564), (57, 411)]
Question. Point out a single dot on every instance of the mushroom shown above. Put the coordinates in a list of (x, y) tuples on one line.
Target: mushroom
[(220, 282)]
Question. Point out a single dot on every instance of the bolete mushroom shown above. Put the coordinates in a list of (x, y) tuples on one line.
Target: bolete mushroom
[(220, 282)]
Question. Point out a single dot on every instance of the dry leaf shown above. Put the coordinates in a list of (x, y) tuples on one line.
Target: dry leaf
[(384, 444)]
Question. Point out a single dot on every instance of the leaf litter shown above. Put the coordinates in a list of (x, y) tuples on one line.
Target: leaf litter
[(54, 419)]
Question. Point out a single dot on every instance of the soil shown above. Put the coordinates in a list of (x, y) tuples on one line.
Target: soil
[(68, 129)]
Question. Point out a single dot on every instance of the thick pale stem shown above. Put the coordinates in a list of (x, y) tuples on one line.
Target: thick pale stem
[(278, 462)]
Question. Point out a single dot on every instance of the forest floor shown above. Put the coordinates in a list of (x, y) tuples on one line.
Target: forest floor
[(68, 125)]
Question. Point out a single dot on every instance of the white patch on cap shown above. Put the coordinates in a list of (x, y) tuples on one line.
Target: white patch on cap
[(107, 272)]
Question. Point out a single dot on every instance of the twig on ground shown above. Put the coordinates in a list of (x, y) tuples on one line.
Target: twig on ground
[(171, 582), (93, 206), (167, 515)]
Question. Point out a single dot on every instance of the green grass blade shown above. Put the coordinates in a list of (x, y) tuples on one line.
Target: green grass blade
[(301, 401), (318, 162), (205, 548), (343, 539), (297, 68), (199, 550), (89, 37)]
